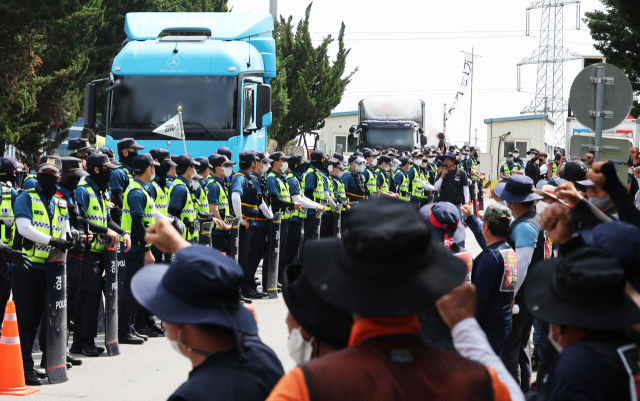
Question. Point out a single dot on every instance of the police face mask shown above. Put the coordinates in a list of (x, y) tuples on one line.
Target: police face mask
[(162, 170), (509, 159), (193, 172), (340, 174), (101, 178), (516, 155), (285, 166), (431, 159), (69, 181), (374, 162), (300, 349), (47, 182), (600, 203), (127, 159), (330, 169), (227, 171), (153, 175), (360, 168)]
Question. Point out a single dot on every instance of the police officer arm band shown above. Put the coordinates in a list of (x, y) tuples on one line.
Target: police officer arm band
[(305, 202), (438, 185), (266, 210), (97, 229), (308, 193), (138, 232), (328, 197), (115, 227), (174, 212), (237, 205), (466, 193), (29, 232), (116, 196)]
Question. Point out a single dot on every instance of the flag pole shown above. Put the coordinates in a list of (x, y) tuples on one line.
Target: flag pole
[(184, 142)]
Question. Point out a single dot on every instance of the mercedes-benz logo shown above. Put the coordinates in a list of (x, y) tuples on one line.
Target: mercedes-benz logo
[(173, 62)]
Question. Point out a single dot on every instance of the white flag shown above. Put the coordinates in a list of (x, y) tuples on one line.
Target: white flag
[(170, 128), (469, 65)]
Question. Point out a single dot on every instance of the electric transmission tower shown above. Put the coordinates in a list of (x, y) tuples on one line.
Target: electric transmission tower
[(550, 56)]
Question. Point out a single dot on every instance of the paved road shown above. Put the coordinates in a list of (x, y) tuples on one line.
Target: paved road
[(154, 370)]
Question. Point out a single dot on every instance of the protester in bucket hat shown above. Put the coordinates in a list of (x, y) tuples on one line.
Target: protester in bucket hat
[(384, 292), (197, 297)]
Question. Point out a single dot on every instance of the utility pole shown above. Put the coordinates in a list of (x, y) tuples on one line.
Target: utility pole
[(444, 118), (273, 8), (475, 140), (473, 68)]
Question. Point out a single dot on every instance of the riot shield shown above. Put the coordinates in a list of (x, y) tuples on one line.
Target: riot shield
[(57, 316), (235, 239), (111, 301), (205, 234), (274, 255), (337, 221), (315, 235)]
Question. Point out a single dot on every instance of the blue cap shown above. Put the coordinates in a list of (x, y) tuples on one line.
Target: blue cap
[(517, 189), (224, 151), (99, 160), (200, 286), (77, 143), (73, 165), (142, 162), (163, 156), (555, 181), (247, 156), (404, 160), (110, 154), (9, 164), (220, 161), (127, 143), (620, 240), (447, 215)]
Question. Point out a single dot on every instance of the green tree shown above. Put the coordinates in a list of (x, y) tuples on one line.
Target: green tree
[(629, 12), (67, 37), (44, 50), (617, 43), (308, 86)]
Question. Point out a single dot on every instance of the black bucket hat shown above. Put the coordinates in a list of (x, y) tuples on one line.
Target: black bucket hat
[(351, 273), (585, 289), (322, 320)]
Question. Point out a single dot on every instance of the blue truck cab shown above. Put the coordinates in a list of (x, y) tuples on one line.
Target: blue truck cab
[(216, 66)]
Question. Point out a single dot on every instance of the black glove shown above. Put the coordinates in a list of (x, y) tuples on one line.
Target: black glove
[(189, 225), (177, 224), (61, 244), (18, 258)]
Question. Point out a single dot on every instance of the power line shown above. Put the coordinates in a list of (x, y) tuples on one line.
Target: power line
[(428, 32), (457, 37)]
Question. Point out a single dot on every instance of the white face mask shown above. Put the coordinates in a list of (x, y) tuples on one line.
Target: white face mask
[(464, 157), (424, 162), (509, 159), (193, 174), (541, 206), (195, 183), (374, 162), (340, 174), (553, 342), (227, 171), (152, 176), (360, 168), (330, 169), (417, 161), (431, 159), (387, 168), (516, 155), (284, 167), (299, 349)]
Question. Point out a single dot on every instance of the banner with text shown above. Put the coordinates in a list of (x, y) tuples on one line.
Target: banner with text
[(469, 64)]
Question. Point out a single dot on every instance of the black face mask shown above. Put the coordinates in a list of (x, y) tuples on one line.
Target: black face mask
[(101, 179), (162, 170), (127, 159), (69, 181), (558, 158), (47, 182)]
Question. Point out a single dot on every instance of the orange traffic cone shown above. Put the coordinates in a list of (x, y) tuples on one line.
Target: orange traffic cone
[(11, 369)]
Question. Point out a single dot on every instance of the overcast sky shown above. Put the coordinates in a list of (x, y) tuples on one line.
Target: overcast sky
[(411, 48)]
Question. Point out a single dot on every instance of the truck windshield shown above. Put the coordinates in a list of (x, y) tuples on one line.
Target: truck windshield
[(397, 138), (209, 103)]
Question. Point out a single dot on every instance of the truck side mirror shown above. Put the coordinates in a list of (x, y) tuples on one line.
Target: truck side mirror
[(90, 106), (423, 140), (352, 130), (351, 137), (420, 131), (263, 106)]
